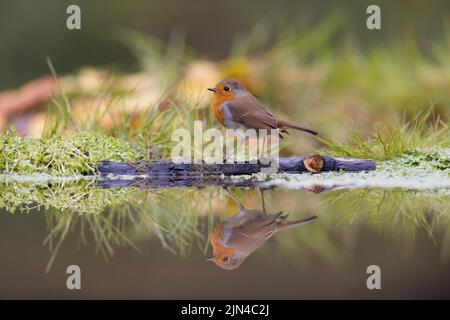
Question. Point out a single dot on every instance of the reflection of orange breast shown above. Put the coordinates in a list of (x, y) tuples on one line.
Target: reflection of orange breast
[(218, 248)]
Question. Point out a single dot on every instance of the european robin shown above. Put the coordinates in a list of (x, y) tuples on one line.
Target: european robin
[(238, 236), (236, 108)]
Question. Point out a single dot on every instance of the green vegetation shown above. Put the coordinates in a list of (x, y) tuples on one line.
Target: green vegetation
[(419, 162), (395, 97), (59, 155), (395, 140)]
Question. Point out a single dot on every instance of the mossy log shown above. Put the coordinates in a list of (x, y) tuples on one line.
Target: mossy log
[(166, 174), (314, 164), (157, 174)]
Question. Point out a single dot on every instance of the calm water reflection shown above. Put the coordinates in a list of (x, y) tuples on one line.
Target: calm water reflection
[(234, 239), (146, 233)]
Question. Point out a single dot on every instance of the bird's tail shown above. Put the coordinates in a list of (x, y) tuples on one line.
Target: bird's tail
[(286, 124), (293, 224)]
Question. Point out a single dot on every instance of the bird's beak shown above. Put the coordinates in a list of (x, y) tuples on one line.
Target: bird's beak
[(212, 89), (210, 259)]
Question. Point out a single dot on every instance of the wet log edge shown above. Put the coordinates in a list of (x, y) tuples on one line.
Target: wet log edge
[(312, 164)]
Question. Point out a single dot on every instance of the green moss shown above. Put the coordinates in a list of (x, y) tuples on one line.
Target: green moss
[(435, 158), (419, 162), (59, 155)]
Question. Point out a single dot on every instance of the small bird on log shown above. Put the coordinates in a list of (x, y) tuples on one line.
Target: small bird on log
[(238, 236), (236, 108)]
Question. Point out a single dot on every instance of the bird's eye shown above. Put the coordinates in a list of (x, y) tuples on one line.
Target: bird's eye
[(226, 259), (226, 88)]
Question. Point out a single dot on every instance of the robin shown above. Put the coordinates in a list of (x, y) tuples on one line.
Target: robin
[(236, 108), (238, 236)]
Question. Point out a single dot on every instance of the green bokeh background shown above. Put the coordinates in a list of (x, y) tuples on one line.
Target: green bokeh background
[(32, 30)]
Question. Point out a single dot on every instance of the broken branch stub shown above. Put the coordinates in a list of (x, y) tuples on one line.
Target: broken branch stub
[(314, 163)]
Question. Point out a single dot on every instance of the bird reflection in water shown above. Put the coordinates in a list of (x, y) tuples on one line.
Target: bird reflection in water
[(237, 237)]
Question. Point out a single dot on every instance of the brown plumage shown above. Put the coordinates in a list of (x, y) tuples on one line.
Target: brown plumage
[(235, 107)]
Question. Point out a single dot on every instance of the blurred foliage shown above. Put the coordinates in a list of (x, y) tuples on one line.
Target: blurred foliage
[(316, 75), (166, 60), (212, 31)]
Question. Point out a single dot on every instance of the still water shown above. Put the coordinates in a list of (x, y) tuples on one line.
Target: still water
[(135, 237)]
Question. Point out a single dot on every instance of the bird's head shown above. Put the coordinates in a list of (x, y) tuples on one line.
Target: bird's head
[(228, 88), (224, 256), (227, 262)]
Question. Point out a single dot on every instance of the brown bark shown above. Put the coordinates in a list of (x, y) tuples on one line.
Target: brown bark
[(166, 174)]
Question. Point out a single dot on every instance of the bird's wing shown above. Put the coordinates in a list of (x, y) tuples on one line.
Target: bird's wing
[(262, 224), (251, 113), (255, 229)]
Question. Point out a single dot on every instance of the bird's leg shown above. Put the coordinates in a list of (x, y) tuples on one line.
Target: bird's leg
[(263, 146), (241, 206), (261, 192), (251, 149), (232, 152)]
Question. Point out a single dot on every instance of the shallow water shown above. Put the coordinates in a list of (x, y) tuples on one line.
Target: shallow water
[(142, 237)]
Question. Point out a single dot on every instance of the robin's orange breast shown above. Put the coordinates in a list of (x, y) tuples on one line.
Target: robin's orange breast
[(217, 106), (218, 113)]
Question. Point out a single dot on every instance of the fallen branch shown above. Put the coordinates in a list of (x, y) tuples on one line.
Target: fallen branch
[(166, 174), (314, 164)]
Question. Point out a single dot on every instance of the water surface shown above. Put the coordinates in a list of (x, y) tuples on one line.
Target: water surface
[(144, 237)]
